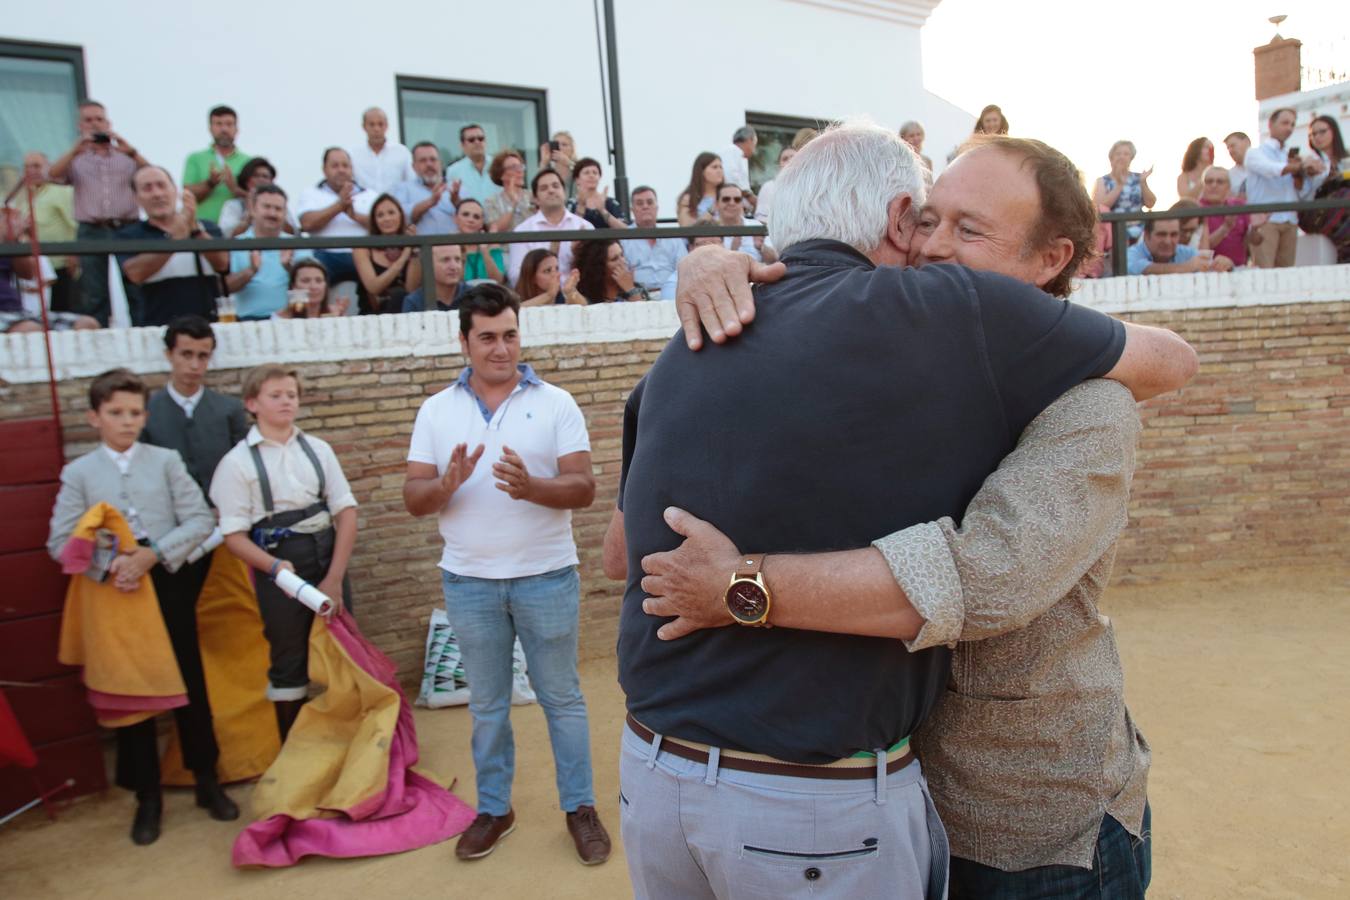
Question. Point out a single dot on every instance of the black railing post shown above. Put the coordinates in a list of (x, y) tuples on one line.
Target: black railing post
[(1120, 243), (428, 274)]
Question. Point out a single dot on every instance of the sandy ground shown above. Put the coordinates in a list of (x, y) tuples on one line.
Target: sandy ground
[(1241, 685)]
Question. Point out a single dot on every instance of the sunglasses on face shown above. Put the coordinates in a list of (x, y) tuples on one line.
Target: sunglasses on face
[(475, 139), (731, 199)]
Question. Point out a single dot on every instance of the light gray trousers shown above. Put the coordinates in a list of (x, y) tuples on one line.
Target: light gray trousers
[(695, 830)]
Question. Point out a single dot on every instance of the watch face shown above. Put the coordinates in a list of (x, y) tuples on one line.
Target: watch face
[(747, 601)]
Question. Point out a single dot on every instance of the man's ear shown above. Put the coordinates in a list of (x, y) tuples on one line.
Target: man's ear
[(1053, 258), (901, 223)]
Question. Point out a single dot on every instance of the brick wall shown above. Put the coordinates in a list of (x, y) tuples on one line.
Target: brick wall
[(1247, 466)]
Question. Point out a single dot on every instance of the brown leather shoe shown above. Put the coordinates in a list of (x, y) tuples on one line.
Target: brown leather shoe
[(483, 835), (589, 835)]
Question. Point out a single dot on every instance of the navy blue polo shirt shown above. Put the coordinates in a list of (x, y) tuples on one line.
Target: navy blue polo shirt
[(186, 285), (861, 401)]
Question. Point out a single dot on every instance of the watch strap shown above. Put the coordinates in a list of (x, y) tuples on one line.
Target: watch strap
[(749, 566)]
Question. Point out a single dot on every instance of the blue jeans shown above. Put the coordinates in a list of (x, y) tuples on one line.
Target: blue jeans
[(487, 615), (1122, 866), (339, 264)]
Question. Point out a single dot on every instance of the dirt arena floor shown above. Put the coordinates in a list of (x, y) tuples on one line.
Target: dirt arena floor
[(1242, 686)]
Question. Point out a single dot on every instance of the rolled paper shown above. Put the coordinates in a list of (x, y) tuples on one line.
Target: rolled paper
[(300, 589), (213, 540)]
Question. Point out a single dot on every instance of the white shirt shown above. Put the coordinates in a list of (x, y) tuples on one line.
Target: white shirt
[(487, 534), (321, 196), (747, 242), (235, 488), (537, 222), (187, 404), (1265, 184), (123, 463), (736, 168), (1237, 179), (379, 172)]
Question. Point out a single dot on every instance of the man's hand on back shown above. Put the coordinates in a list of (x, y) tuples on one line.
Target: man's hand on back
[(688, 582), (713, 292)]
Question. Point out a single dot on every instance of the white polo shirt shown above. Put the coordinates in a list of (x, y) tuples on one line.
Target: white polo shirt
[(487, 534), (321, 196)]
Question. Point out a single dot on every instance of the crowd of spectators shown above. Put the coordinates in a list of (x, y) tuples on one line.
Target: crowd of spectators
[(102, 187)]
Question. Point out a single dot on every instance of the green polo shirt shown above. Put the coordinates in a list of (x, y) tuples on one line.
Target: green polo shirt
[(198, 168)]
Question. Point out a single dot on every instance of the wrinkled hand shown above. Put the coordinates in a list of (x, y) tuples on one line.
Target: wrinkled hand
[(713, 291), (1221, 264), (688, 583), (255, 260), (512, 475), (1143, 176), (462, 464)]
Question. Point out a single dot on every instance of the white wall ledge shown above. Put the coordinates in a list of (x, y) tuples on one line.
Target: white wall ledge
[(79, 354)]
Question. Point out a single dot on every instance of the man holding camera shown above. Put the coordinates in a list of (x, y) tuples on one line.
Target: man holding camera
[(99, 167), (1275, 175)]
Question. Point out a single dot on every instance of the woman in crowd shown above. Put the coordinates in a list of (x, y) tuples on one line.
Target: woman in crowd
[(698, 202), (512, 204), (540, 283), (1199, 157), (1328, 168), (591, 203), (478, 265), (604, 273), (1123, 191), (991, 121), (768, 188), (234, 215), (310, 276), (387, 274)]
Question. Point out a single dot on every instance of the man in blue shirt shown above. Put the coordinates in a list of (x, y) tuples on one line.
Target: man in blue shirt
[(652, 260), (426, 198), (1160, 252), (258, 278), (468, 176)]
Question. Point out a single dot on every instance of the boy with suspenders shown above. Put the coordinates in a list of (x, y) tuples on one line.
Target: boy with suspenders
[(285, 504)]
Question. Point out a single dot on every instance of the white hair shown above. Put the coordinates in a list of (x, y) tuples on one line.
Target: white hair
[(840, 186)]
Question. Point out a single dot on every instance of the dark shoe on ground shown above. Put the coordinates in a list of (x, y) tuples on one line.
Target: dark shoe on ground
[(589, 835), (145, 827), (212, 798), (482, 837)]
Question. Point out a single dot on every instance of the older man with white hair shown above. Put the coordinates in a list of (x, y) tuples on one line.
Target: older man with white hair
[(757, 758), (1017, 584)]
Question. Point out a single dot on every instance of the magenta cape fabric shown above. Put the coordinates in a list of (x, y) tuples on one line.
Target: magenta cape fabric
[(412, 812)]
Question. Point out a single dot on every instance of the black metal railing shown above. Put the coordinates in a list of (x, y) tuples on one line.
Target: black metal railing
[(1120, 221), (424, 243)]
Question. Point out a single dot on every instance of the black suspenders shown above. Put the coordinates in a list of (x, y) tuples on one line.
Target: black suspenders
[(266, 486)]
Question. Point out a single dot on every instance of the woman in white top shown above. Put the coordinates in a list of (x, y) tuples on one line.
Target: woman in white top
[(767, 190)]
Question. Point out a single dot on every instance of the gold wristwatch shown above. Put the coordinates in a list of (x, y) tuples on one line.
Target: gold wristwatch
[(747, 596)]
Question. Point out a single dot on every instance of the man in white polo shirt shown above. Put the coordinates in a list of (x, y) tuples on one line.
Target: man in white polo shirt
[(509, 564), (336, 207), (550, 195)]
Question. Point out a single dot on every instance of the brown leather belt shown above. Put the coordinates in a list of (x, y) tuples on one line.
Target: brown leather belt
[(848, 768)]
